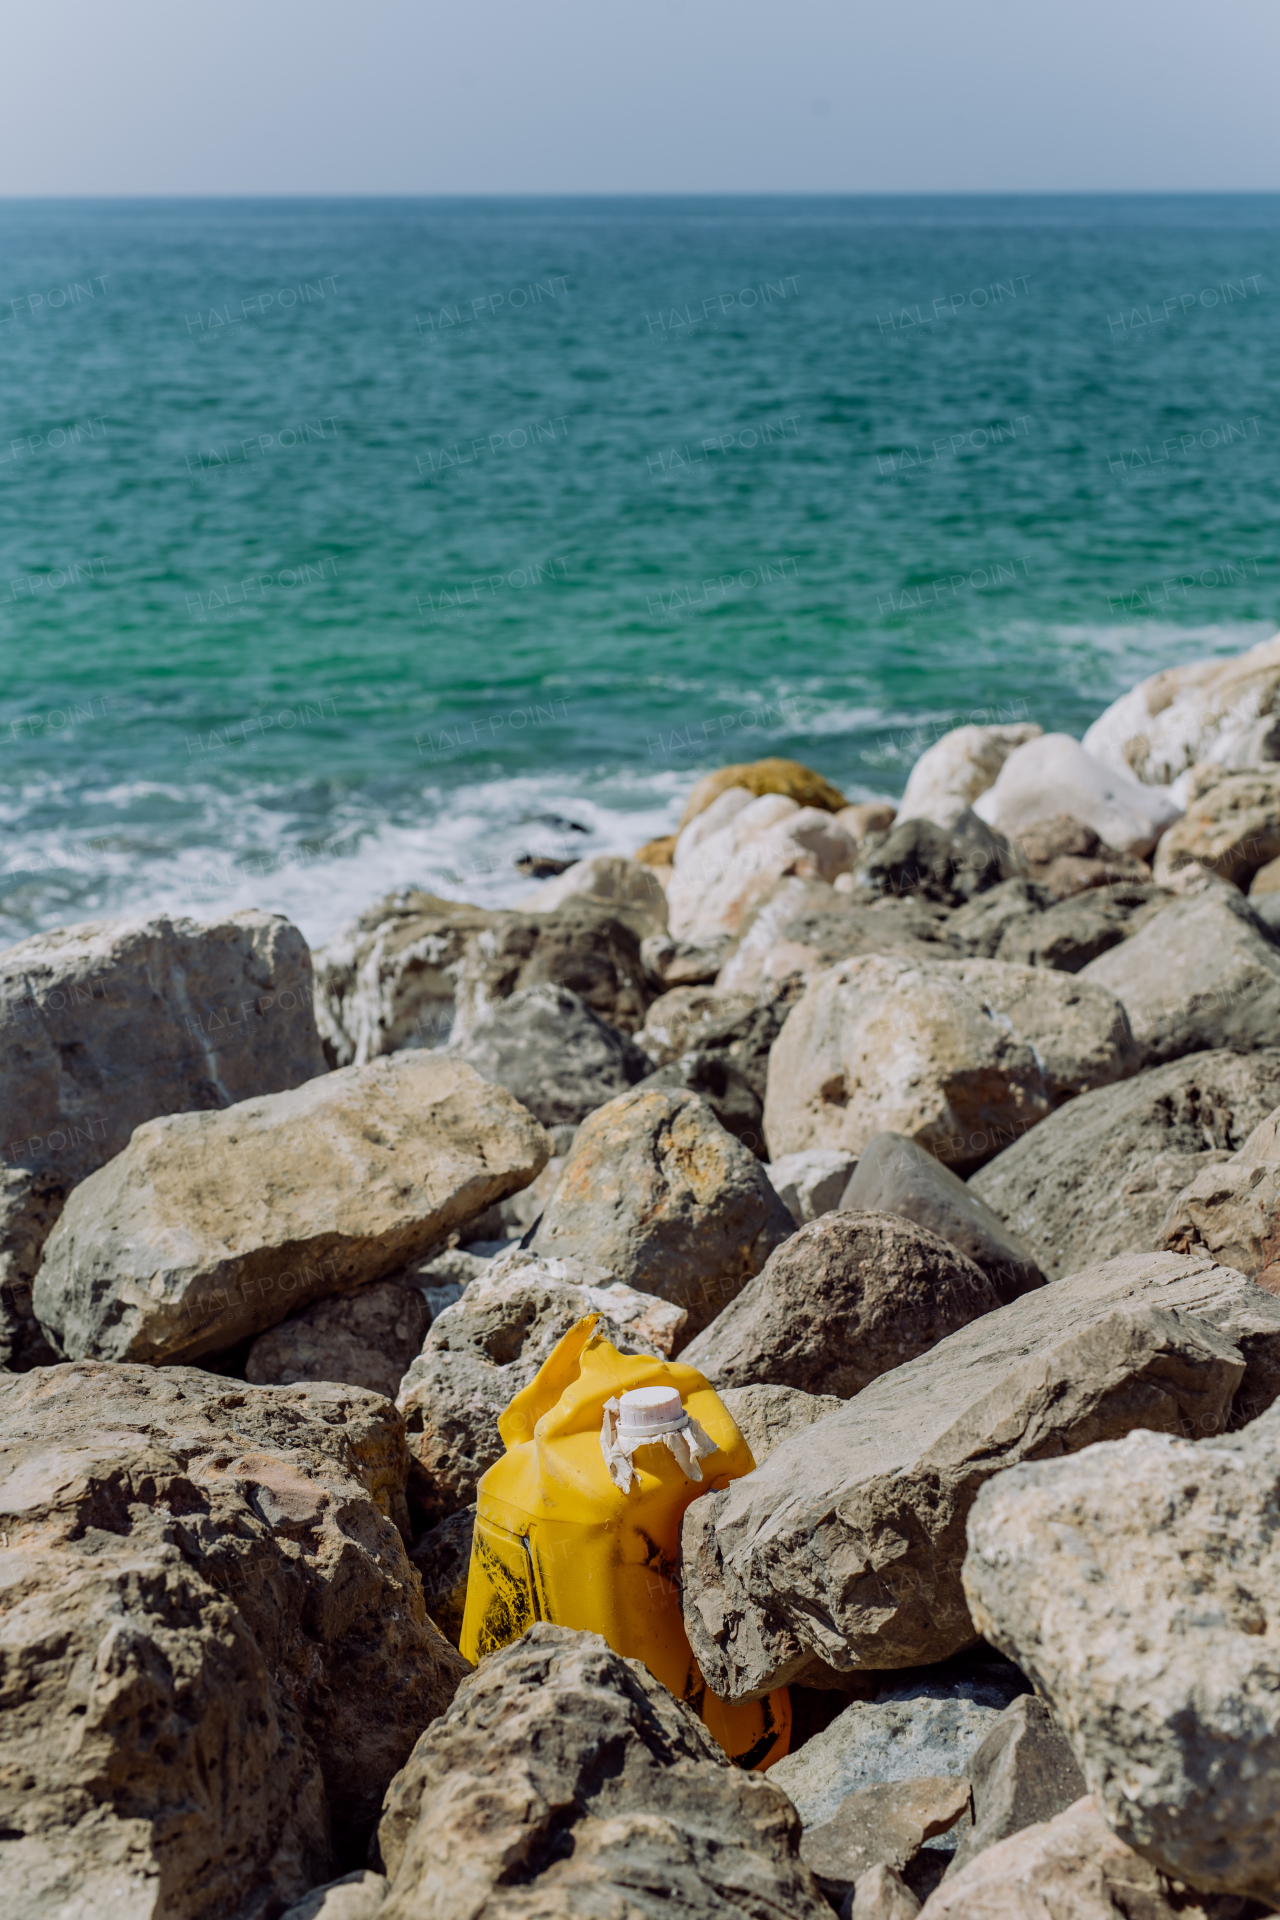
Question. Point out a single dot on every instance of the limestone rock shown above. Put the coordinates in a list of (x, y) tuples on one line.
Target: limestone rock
[(950, 775), (1099, 1177), (1071, 1866), (683, 963), (1232, 829), (1023, 1772), (414, 970), (731, 871), (1227, 711), (357, 1896), (1203, 973), (1138, 1584), (865, 818), (1074, 931), (113, 1022), (1232, 1209), (364, 1339), (726, 806), (1055, 775), (478, 1355), (804, 926), (896, 1176), (789, 777), (676, 1021), (977, 928), (765, 1416), (844, 1300), (1065, 857), (566, 1780), (812, 1183), (547, 1047), (216, 1650), (718, 1081), (949, 865), (849, 1554), (882, 1894), (609, 878), (442, 1557), (210, 1227), (961, 1055), (657, 1192), (881, 1826)]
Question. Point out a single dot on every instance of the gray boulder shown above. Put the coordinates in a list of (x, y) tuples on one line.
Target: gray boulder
[(977, 928), (946, 865), (217, 1654), (566, 1780), (847, 1555), (1137, 1584), (210, 1227), (1099, 1176), (805, 926), (481, 1352), (364, 1339), (766, 1416), (1023, 1772), (894, 1175), (556, 1056), (1205, 972), (115, 1022), (844, 1300), (723, 1088), (1073, 932), (659, 1194), (812, 1183)]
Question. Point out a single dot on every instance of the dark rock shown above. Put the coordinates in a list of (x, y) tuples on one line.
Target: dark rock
[(849, 1552), (1099, 1176), (950, 867), (978, 927), (363, 1339), (1073, 932), (217, 1653), (894, 1175), (558, 1058), (841, 1302), (725, 1089), (443, 1558), (566, 1780), (734, 1026), (657, 1193), (1023, 1772)]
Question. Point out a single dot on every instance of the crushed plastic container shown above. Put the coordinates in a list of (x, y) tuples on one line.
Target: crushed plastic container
[(579, 1522)]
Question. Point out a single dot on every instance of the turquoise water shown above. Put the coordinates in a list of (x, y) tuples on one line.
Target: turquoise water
[(356, 544)]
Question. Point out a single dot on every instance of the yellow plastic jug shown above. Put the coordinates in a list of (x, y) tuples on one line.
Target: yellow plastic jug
[(584, 1530)]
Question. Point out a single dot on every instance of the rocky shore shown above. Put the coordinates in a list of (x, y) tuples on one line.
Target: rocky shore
[(943, 1139)]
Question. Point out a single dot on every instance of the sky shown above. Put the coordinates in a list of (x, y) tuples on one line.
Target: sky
[(147, 97)]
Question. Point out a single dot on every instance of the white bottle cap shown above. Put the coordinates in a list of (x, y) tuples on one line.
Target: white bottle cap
[(644, 1408)]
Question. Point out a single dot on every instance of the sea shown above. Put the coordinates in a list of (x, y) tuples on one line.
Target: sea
[(352, 545)]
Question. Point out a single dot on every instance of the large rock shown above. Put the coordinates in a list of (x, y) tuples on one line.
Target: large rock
[(482, 1351), (977, 928), (730, 872), (805, 926), (1071, 1866), (1227, 711), (949, 865), (717, 1046), (812, 1183), (1099, 1177), (1074, 931), (841, 1302), (964, 1056), (657, 1192), (894, 1175), (847, 1555), (1231, 828), (556, 1056), (1023, 1772), (210, 1227), (1203, 973), (609, 878), (1055, 775), (114, 1022), (766, 1416), (1232, 1210), (929, 1727), (364, 1339), (1064, 857), (949, 776), (216, 1651), (414, 970), (1138, 1584), (881, 1826), (757, 777), (566, 1780)]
